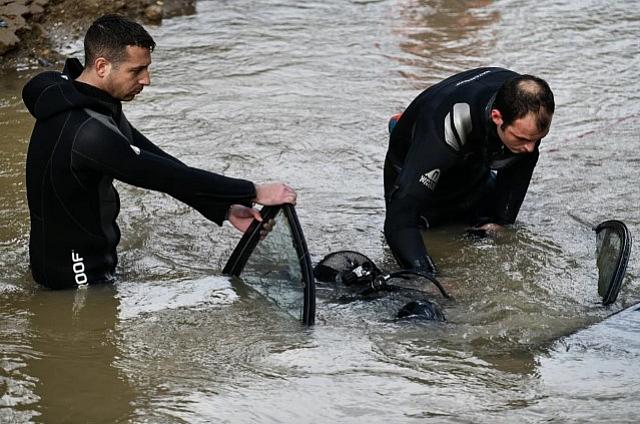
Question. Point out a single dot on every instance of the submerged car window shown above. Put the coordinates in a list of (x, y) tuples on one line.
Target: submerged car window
[(278, 267)]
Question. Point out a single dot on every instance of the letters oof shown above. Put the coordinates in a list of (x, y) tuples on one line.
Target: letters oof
[(78, 269)]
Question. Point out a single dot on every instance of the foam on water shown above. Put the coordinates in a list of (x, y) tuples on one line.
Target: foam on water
[(139, 298)]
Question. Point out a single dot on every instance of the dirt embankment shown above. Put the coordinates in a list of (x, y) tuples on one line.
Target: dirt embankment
[(32, 31)]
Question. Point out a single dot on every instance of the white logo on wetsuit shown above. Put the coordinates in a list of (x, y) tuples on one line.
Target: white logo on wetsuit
[(78, 269), (135, 149), (473, 78), (430, 179)]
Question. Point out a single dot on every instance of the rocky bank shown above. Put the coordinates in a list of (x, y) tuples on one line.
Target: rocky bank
[(33, 31)]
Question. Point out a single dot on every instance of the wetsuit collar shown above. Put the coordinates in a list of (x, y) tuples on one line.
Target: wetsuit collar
[(493, 144), (73, 68), (114, 105), (496, 153)]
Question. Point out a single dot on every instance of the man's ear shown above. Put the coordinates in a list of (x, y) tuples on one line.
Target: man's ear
[(496, 117), (102, 67)]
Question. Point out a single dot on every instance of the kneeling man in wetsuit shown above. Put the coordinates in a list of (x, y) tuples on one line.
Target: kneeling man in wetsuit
[(82, 141), (464, 150)]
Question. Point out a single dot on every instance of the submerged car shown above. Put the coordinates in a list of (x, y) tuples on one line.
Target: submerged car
[(280, 269)]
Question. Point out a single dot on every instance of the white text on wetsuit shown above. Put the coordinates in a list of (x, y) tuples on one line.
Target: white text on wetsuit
[(78, 268), (430, 179)]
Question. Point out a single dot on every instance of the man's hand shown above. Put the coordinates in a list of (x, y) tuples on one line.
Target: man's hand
[(488, 229), (275, 194), (241, 217), (424, 264)]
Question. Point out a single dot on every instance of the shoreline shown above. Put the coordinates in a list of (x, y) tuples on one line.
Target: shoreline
[(32, 32)]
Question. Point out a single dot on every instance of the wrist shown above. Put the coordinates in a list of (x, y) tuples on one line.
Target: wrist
[(256, 189)]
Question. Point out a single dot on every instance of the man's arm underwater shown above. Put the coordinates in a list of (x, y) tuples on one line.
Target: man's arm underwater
[(512, 184), (427, 159), (404, 237)]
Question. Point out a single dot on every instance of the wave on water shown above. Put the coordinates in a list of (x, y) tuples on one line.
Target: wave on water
[(137, 299)]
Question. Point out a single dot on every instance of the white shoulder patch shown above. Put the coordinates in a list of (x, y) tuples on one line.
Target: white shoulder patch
[(458, 125)]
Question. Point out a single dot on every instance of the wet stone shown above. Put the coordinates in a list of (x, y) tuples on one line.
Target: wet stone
[(14, 9), (27, 27), (39, 29), (178, 7), (16, 23), (153, 13), (36, 9), (8, 40), (11, 22)]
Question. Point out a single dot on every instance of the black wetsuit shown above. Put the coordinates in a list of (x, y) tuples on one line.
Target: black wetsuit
[(442, 160), (81, 142)]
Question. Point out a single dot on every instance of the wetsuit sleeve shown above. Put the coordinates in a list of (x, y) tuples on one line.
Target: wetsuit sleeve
[(512, 184), (99, 148), (139, 140), (428, 157), (402, 232)]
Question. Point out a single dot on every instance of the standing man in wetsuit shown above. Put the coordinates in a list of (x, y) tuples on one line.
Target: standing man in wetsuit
[(82, 141), (464, 150)]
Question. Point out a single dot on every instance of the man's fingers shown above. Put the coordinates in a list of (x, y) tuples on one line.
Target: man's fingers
[(243, 212), (275, 194), (256, 214), (288, 195), (292, 196), (266, 228), (485, 230)]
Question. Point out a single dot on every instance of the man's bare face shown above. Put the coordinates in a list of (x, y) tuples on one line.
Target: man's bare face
[(126, 79), (521, 135)]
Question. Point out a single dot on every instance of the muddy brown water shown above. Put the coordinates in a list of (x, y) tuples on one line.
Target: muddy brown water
[(301, 92)]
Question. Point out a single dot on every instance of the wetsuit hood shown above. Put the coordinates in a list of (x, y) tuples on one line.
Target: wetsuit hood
[(50, 93)]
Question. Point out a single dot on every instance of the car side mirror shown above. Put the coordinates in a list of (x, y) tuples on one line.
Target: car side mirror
[(613, 247)]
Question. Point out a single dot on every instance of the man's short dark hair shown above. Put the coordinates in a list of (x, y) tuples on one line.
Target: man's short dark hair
[(108, 37), (524, 94)]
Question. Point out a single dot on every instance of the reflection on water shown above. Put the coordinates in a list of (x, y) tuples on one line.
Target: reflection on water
[(590, 375), (60, 363), (444, 37), (74, 335), (302, 92), (15, 127)]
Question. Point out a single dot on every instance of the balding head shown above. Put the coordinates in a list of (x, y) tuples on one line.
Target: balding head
[(522, 95)]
